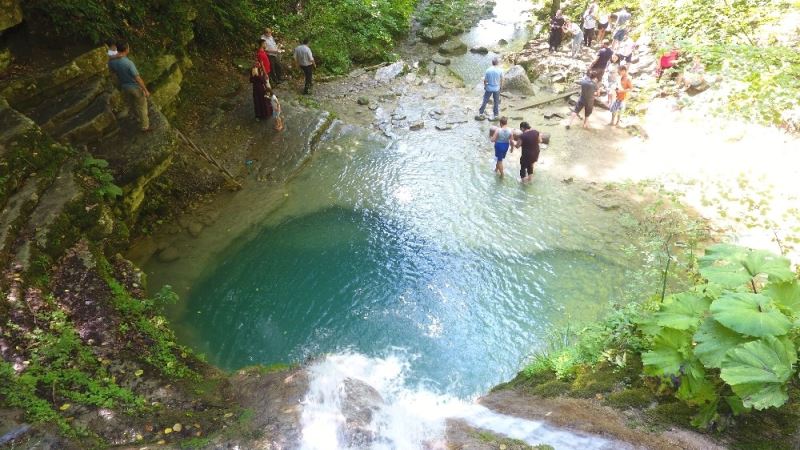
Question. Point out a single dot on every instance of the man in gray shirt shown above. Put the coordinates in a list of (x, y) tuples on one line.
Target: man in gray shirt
[(304, 59), (131, 84)]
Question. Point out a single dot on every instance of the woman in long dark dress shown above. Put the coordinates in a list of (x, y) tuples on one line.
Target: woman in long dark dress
[(261, 103), (556, 31)]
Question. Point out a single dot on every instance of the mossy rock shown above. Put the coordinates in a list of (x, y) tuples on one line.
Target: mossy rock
[(494, 441), (666, 415), (551, 389), (631, 398), (433, 34), (591, 381), (10, 14)]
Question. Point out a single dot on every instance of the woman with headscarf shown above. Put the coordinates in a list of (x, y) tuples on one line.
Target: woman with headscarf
[(556, 30)]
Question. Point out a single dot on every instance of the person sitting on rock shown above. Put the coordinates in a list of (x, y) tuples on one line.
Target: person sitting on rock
[(131, 84)]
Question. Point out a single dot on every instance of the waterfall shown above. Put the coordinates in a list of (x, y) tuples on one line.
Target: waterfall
[(358, 402)]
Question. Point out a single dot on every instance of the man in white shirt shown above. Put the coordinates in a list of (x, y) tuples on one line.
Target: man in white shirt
[(273, 52), (305, 60)]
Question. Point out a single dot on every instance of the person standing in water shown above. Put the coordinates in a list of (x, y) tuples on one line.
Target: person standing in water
[(492, 83), (529, 143), (502, 142)]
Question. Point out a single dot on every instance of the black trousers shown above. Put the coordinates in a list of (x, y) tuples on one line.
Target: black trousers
[(525, 167), (308, 72), (588, 36), (276, 69)]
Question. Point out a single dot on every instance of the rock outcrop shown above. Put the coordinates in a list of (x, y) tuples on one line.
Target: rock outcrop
[(516, 80), (10, 14)]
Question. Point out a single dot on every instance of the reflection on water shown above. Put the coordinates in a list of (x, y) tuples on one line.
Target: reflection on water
[(402, 247)]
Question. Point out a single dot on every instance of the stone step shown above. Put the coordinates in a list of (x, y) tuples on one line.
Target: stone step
[(54, 112), (90, 124)]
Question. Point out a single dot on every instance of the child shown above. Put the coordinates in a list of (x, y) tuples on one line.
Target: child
[(276, 111), (612, 78), (624, 87)]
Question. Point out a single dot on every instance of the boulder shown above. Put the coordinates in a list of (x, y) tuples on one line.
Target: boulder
[(10, 14), (516, 80), (433, 34), (360, 403), (363, 101), (441, 60), (167, 88), (390, 72), (479, 50), (453, 47), (502, 42)]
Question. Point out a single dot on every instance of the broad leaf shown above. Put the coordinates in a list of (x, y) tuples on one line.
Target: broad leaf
[(750, 314), (706, 415), (682, 311), (736, 404), (785, 294), (695, 388), (713, 341), (758, 371), (732, 266), (671, 349)]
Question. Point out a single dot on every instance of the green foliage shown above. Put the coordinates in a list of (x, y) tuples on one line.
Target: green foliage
[(452, 16), (98, 170), (61, 365), (738, 40), (749, 336)]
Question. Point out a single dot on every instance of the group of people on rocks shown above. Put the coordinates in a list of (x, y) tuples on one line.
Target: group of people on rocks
[(268, 71), (609, 68)]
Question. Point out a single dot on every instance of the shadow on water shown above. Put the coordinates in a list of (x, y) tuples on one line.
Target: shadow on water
[(340, 279)]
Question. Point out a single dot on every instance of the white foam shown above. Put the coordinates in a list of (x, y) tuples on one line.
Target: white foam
[(411, 418)]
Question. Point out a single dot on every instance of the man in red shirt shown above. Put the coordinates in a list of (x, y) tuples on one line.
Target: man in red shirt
[(262, 57), (623, 88)]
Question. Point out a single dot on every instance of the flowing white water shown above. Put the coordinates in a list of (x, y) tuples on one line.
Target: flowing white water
[(409, 417)]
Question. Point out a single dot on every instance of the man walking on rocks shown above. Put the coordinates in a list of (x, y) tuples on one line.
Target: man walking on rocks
[(131, 84), (492, 83), (590, 23), (603, 57), (305, 59)]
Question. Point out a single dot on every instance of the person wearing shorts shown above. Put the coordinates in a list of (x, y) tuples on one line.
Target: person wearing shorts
[(602, 26), (586, 100), (502, 143), (529, 143), (623, 88)]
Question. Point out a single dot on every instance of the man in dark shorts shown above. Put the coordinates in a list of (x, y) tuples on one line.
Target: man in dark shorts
[(601, 62), (529, 142), (586, 100)]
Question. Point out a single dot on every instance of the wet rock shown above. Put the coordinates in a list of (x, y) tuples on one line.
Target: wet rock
[(480, 117), (433, 34), (444, 126), (169, 254), (373, 107), (10, 14), (194, 228), (479, 50), (453, 47), (441, 60), (363, 101), (390, 72), (416, 125), (360, 402), (516, 80), (502, 42)]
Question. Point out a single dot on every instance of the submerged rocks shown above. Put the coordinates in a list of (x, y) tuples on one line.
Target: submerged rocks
[(453, 47), (516, 80), (433, 34), (481, 50), (441, 60), (416, 125)]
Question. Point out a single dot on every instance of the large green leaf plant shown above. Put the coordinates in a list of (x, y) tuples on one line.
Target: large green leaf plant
[(733, 339)]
